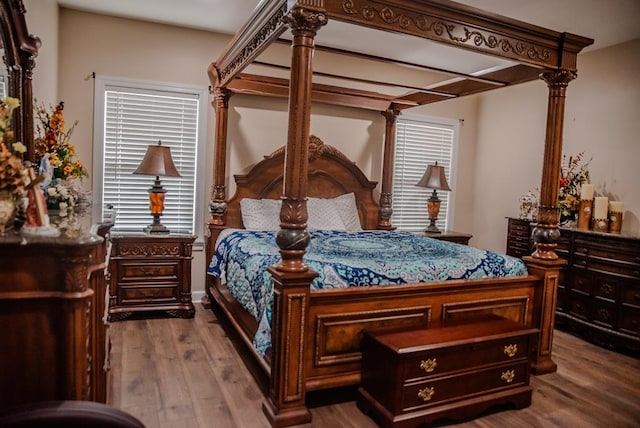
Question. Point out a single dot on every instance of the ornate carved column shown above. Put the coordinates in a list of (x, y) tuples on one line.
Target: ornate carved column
[(386, 202), (544, 261), (546, 232), (218, 204), (291, 277), (293, 237)]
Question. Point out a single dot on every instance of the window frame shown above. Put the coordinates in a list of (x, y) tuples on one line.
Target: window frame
[(454, 125), (105, 83)]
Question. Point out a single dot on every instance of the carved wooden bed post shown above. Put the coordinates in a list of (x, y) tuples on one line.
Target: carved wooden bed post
[(544, 261), (291, 277), (386, 200)]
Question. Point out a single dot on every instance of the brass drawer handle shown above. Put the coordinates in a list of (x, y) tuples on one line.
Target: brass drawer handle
[(510, 350), (428, 365), (427, 393), (508, 376)]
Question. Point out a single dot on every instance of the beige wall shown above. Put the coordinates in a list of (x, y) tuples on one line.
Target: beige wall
[(501, 133), (601, 118), (42, 20)]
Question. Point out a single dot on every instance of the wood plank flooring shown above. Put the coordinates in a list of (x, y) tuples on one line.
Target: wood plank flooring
[(177, 373)]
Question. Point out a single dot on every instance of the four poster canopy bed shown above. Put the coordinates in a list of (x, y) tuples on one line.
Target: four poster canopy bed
[(310, 327)]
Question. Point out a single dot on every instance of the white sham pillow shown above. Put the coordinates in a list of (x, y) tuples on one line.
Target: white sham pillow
[(339, 213), (260, 214), (324, 215), (346, 205)]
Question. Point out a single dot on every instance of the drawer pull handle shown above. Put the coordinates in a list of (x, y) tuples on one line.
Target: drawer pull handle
[(428, 365), (149, 272), (510, 350), (508, 376), (427, 393), (636, 273)]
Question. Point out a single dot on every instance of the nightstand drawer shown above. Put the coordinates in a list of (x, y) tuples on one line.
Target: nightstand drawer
[(143, 294), (431, 392), (151, 271)]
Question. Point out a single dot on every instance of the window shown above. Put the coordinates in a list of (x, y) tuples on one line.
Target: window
[(130, 116), (421, 141)]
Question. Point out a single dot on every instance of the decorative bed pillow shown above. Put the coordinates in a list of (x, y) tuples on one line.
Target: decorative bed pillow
[(348, 210), (260, 214), (324, 215), (339, 213)]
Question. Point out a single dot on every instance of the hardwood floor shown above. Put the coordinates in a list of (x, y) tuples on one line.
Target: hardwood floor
[(173, 373)]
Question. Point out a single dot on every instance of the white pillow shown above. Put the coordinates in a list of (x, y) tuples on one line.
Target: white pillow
[(348, 210), (324, 215), (339, 213), (260, 214)]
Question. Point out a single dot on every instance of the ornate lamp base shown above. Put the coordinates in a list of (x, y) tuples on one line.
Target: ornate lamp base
[(156, 227)]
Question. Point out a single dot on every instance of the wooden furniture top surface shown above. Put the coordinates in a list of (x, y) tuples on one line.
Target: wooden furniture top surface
[(450, 332)]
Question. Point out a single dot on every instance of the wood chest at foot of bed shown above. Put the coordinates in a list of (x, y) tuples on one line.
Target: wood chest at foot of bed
[(449, 370)]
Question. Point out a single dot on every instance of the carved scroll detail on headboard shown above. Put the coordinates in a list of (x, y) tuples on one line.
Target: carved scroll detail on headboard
[(316, 149)]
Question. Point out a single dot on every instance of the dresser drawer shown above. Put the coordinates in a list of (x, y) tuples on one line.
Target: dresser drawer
[(631, 294), (144, 293), (431, 392), (136, 271), (435, 363), (582, 282), (630, 321), (604, 314), (608, 250), (520, 231), (578, 306)]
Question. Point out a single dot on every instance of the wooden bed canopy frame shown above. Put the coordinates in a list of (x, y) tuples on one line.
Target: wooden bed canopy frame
[(535, 52)]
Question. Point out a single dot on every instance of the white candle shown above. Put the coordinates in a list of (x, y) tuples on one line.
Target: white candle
[(616, 207), (586, 192), (600, 206)]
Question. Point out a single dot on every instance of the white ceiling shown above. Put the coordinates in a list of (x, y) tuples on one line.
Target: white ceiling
[(608, 22)]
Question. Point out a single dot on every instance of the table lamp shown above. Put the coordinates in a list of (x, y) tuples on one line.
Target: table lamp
[(157, 161), (434, 178)]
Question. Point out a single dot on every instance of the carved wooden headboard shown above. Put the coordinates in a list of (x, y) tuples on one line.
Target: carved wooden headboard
[(331, 174)]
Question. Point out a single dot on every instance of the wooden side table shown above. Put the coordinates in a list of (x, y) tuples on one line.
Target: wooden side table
[(451, 236), (150, 273)]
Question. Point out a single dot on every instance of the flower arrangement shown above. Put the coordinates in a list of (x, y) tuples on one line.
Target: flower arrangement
[(574, 172), (53, 144), (57, 158), (12, 172)]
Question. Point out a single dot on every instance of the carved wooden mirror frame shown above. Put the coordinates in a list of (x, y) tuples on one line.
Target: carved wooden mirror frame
[(20, 51)]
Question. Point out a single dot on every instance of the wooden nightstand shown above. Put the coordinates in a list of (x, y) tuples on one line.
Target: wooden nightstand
[(150, 273), (451, 236)]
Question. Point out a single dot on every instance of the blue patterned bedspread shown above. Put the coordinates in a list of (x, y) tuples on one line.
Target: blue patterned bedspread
[(348, 259)]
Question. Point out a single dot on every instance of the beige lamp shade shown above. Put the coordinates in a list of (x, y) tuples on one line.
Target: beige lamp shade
[(158, 161), (434, 178)]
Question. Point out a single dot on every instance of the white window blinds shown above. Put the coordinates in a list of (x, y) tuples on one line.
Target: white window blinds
[(133, 119), (420, 142)]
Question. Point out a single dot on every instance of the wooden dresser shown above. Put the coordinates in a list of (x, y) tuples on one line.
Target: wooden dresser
[(150, 273), (454, 369), (599, 290), (53, 335), (519, 242)]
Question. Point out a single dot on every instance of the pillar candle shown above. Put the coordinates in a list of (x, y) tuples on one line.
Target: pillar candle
[(586, 192), (616, 207), (600, 206)]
